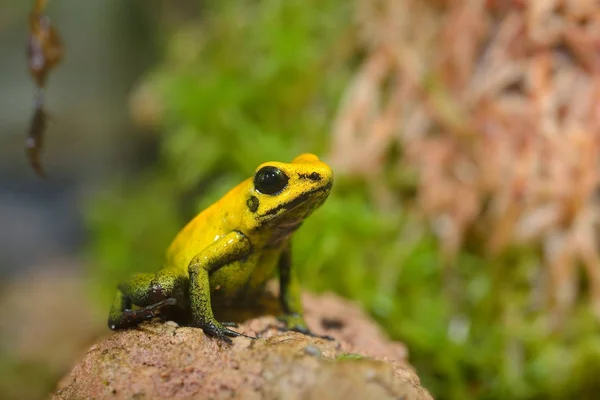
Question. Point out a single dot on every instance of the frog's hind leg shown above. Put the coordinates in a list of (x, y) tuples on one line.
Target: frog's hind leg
[(121, 316), (150, 291)]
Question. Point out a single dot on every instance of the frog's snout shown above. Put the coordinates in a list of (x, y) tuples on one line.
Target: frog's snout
[(314, 171)]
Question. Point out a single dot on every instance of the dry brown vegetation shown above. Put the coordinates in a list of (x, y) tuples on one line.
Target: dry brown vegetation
[(495, 105)]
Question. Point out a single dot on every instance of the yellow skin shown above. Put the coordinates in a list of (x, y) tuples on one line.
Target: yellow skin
[(227, 253)]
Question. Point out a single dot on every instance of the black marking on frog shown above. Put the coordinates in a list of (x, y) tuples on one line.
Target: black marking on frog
[(315, 176), (253, 203)]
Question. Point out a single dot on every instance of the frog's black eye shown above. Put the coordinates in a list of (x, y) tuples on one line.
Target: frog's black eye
[(270, 180)]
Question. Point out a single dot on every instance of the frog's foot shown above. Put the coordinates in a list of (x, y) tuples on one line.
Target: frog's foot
[(305, 331), (294, 322), (133, 317), (310, 333), (219, 331)]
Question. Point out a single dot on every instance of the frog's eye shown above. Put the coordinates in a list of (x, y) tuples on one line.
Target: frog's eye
[(270, 180)]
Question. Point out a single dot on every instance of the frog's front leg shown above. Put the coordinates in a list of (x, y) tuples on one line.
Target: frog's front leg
[(290, 296), (231, 247)]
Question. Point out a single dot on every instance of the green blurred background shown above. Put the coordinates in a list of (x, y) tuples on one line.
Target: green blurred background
[(159, 107)]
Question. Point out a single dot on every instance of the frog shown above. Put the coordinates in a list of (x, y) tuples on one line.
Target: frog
[(229, 251)]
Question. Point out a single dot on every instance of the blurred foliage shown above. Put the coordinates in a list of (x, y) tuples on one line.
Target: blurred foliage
[(256, 81), (12, 370)]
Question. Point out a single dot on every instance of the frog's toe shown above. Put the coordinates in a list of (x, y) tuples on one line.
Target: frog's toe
[(296, 324), (326, 337), (230, 324), (153, 310), (304, 330), (295, 328), (236, 334), (222, 333), (218, 332), (163, 303)]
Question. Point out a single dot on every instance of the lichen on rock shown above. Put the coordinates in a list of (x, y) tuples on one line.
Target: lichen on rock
[(164, 360)]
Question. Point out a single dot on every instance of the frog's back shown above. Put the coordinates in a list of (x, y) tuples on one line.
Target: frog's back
[(205, 228)]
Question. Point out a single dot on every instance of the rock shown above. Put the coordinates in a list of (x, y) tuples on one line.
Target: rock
[(163, 360)]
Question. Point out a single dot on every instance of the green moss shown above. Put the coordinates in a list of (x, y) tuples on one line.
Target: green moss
[(28, 379)]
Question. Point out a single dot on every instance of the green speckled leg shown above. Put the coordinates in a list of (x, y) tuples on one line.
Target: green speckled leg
[(290, 296), (150, 291), (122, 317), (229, 248)]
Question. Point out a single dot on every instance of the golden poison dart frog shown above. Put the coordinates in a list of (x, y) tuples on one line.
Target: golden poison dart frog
[(228, 252)]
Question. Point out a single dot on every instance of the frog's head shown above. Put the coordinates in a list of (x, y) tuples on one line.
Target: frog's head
[(282, 195)]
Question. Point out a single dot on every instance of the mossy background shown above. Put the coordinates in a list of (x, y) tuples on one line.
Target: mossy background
[(241, 82)]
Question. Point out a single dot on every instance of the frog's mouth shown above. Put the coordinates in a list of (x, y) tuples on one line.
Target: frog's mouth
[(297, 201)]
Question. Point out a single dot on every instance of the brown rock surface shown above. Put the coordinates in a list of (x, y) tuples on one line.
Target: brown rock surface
[(163, 360)]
